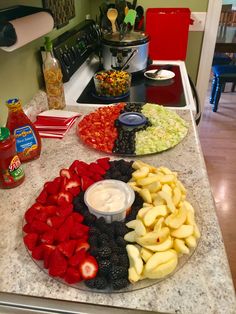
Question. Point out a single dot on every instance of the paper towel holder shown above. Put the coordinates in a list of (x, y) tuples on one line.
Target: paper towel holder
[(13, 19)]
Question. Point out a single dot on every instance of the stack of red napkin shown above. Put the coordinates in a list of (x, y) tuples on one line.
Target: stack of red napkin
[(55, 123)]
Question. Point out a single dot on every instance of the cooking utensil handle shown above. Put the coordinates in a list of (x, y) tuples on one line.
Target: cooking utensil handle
[(129, 59)]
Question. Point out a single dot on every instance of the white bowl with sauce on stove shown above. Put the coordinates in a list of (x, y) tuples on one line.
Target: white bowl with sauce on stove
[(110, 199)]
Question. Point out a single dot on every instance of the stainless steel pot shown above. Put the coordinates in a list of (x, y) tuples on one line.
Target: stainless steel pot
[(116, 51)]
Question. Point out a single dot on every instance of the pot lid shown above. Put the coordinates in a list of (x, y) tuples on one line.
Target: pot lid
[(130, 38), (132, 119)]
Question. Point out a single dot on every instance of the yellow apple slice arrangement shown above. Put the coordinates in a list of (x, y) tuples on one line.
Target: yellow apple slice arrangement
[(76, 247)]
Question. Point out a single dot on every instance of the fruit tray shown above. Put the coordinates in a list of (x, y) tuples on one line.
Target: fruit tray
[(103, 131), (158, 236)]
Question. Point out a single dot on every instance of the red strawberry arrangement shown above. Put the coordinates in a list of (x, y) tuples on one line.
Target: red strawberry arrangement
[(70, 241)]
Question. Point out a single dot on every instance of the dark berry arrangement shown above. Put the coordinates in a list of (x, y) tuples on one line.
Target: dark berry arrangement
[(125, 141), (73, 244)]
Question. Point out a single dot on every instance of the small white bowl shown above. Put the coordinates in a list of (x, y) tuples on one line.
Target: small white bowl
[(110, 199)]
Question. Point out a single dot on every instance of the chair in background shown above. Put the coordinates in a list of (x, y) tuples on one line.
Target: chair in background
[(222, 74), (221, 59), (225, 16)]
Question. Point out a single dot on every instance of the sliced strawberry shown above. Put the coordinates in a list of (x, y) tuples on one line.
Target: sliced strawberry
[(57, 263), (82, 245), (52, 187), (80, 168), (27, 228), (64, 198), (78, 231), (41, 215), (88, 268), (97, 177), (77, 217), (72, 275), (65, 210), (30, 214), (38, 252), (68, 247), (63, 233), (104, 162), (50, 210), (55, 221), (42, 198), (78, 257), (66, 173), (30, 240), (94, 167), (86, 182), (73, 186), (39, 226), (48, 249), (48, 237), (52, 199)]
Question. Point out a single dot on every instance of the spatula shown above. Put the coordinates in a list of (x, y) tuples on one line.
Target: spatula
[(130, 17), (112, 16)]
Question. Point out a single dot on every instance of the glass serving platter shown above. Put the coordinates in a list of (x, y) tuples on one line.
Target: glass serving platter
[(101, 131), (145, 283)]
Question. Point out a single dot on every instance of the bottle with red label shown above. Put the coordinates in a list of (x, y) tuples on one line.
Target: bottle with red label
[(11, 172), (28, 141)]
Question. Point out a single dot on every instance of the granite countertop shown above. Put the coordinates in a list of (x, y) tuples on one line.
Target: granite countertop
[(202, 285)]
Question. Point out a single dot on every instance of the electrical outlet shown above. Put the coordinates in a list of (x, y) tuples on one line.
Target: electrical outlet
[(199, 21)]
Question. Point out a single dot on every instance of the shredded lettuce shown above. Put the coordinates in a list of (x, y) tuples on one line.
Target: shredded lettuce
[(167, 130)]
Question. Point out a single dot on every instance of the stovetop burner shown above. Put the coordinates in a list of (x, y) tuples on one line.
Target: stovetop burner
[(169, 93)]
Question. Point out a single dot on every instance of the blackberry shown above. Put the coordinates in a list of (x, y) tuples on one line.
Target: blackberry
[(121, 229), (93, 251), (120, 283), (103, 237), (89, 219), (97, 283), (120, 241), (118, 272), (93, 241), (104, 252), (100, 223), (94, 231), (104, 267), (119, 250), (114, 259), (123, 260)]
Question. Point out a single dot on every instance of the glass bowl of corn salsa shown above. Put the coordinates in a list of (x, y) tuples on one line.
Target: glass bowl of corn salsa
[(112, 83)]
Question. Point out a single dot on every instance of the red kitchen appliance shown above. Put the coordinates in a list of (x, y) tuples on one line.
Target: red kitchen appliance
[(168, 30)]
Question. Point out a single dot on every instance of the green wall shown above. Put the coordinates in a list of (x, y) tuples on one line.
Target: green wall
[(20, 70)]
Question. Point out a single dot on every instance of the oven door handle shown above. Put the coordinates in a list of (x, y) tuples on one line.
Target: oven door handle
[(196, 100)]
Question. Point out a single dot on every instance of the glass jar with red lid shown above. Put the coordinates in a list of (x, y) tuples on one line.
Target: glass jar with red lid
[(11, 172)]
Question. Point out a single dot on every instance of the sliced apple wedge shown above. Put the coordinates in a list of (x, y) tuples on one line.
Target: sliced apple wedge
[(133, 275), (180, 247), (145, 254), (164, 246), (140, 173), (162, 270), (191, 241), (146, 195), (130, 236), (159, 258), (143, 211), (176, 219), (135, 259), (182, 232), (151, 215)]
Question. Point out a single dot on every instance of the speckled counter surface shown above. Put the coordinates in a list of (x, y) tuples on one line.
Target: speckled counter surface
[(202, 285)]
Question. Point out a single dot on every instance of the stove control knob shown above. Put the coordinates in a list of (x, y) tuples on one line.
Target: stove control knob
[(66, 59)]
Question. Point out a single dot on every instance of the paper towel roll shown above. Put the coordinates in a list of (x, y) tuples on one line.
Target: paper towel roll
[(30, 27)]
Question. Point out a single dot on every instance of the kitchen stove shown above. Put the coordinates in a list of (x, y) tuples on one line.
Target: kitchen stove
[(78, 52)]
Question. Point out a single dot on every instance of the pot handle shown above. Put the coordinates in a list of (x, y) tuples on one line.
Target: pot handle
[(129, 59)]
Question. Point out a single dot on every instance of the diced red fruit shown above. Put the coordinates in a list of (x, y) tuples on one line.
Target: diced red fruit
[(63, 233), (82, 245), (97, 177), (48, 249), (42, 198), (78, 257), (65, 210), (55, 221), (57, 263), (30, 214), (39, 226), (27, 228), (41, 215), (48, 237), (52, 199), (67, 248), (80, 168), (88, 268), (30, 240), (96, 168), (86, 182), (78, 230), (77, 217), (38, 252), (66, 173), (52, 187), (104, 162), (50, 210), (72, 275), (64, 198)]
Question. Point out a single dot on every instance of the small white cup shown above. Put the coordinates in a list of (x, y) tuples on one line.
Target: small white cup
[(126, 194)]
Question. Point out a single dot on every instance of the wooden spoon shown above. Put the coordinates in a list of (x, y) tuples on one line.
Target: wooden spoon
[(112, 16)]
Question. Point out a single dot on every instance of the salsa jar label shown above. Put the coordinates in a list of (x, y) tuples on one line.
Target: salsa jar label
[(26, 140), (14, 172)]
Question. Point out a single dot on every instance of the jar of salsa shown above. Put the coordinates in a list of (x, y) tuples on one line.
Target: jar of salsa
[(28, 141), (11, 172)]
